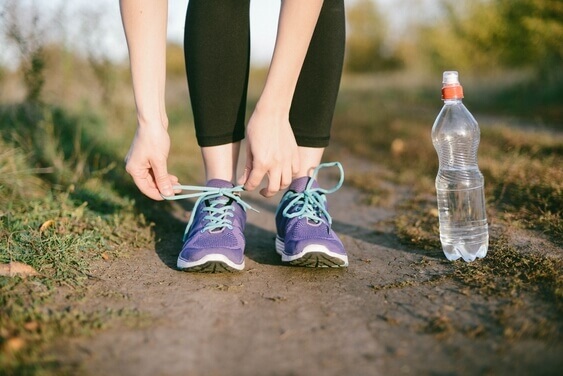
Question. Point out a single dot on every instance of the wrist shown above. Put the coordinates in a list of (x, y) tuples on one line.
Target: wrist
[(152, 121), (275, 108)]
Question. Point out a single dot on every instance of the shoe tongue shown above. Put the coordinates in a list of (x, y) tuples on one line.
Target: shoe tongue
[(219, 183), (299, 184)]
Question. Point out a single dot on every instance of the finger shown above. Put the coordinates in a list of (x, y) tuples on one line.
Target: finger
[(174, 181), (255, 173), (247, 168), (244, 177), (287, 177), (295, 165), (148, 188), (144, 181), (274, 179), (161, 178), (254, 179)]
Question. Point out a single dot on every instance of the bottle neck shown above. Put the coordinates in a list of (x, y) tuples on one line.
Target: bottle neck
[(452, 101)]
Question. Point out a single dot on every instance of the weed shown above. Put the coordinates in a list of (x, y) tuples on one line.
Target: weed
[(31, 320), (420, 229), (59, 213), (69, 146), (62, 253), (507, 271), (17, 178), (530, 282)]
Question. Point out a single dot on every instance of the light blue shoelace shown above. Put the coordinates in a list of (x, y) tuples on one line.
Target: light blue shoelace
[(220, 212), (310, 203)]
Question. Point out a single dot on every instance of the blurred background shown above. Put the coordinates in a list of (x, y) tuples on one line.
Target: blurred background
[(66, 101), (75, 52)]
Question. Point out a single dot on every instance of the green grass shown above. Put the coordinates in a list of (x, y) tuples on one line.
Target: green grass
[(60, 212)]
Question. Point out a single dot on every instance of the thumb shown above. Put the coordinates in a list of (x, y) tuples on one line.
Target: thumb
[(162, 179)]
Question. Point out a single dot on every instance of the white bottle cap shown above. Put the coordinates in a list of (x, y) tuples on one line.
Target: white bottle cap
[(450, 78)]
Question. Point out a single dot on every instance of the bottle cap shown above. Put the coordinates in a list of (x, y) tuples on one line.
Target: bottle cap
[(450, 78), (451, 88)]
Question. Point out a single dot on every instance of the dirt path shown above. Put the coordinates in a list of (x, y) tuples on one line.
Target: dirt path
[(393, 311)]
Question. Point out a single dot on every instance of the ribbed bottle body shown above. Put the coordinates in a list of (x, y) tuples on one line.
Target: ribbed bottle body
[(460, 184), (461, 207)]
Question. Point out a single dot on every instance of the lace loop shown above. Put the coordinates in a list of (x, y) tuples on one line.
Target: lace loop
[(311, 203), (220, 208)]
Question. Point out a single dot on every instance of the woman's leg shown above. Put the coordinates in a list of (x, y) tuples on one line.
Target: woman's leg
[(220, 162), (217, 52), (304, 235), (309, 158), (315, 95)]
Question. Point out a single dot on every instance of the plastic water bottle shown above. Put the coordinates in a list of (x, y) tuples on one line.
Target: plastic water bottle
[(459, 183)]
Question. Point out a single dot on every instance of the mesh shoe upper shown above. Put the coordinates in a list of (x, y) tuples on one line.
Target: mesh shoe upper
[(303, 222), (215, 230)]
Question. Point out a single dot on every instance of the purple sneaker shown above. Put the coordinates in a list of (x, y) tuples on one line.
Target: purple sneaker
[(214, 239), (304, 234)]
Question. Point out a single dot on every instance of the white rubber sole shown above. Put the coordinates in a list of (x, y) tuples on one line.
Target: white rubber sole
[(312, 256), (212, 263)]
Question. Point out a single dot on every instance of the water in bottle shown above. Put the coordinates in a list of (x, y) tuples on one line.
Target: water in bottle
[(459, 183)]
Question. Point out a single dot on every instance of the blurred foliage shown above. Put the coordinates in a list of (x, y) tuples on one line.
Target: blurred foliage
[(22, 29), (366, 50), (488, 35), (175, 66), (69, 146)]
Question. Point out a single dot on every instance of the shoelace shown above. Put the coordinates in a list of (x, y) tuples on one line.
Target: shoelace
[(220, 209), (310, 203)]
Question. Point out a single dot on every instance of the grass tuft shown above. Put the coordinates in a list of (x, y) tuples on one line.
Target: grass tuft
[(60, 212), (507, 271)]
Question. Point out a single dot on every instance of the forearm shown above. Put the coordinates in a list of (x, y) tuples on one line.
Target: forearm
[(297, 22), (145, 23)]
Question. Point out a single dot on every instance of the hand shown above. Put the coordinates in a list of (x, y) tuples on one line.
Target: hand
[(271, 150), (146, 162)]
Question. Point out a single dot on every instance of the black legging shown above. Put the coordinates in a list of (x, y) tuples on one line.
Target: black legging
[(217, 51)]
